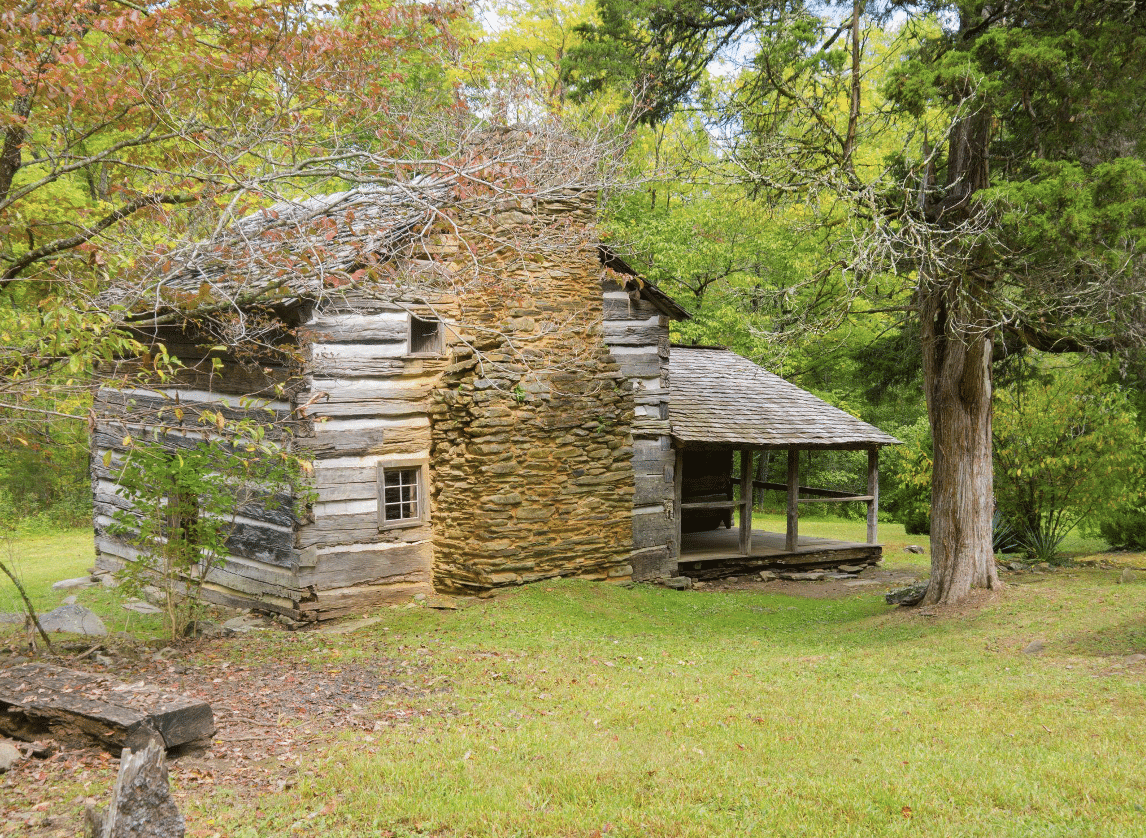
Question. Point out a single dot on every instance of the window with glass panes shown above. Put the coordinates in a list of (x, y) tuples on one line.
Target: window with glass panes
[(401, 495)]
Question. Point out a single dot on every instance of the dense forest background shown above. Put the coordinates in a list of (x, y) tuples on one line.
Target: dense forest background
[(130, 128)]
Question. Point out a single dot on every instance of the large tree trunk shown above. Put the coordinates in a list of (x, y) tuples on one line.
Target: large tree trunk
[(957, 374), (957, 380)]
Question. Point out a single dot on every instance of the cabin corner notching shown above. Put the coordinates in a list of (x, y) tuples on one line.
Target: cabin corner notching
[(537, 425)]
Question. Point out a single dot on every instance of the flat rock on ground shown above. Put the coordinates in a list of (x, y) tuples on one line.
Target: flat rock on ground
[(79, 583), (38, 699), (74, 619)]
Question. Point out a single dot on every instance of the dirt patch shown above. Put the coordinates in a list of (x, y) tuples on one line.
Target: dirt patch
[(269, 716), (873, 580)]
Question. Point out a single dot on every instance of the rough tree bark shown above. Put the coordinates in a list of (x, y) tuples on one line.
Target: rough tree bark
[(957, 349), (957, 380)]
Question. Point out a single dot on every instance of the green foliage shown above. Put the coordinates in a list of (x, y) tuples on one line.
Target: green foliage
[(1123, 524), (905, 490), (1064, 449), (44, 483), (183, 505)]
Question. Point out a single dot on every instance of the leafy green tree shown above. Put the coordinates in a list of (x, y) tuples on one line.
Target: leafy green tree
[(1065, 450), (1013, 213)]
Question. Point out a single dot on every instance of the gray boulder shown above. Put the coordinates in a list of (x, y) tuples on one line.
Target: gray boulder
[(9, 756), (74, 619), (911, 595)]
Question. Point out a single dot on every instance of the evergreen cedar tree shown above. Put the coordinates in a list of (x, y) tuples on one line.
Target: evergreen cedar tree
[(1047, 102)]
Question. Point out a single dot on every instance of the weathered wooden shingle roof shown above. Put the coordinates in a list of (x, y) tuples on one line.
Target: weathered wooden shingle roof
[(300, 246), (716, 396)]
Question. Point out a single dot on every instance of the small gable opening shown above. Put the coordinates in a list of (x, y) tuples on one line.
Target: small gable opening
[(425, 336)]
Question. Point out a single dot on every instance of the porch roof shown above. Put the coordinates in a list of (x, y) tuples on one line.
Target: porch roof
[(718, 397)]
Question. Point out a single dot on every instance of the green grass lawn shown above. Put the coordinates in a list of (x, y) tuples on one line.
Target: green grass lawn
[(41, 560), (579, 709)]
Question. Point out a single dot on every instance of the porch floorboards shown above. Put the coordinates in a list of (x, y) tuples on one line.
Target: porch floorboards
[(716, 553)]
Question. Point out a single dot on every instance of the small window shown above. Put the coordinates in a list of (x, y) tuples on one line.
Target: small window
[(425, 337), (400, 497)]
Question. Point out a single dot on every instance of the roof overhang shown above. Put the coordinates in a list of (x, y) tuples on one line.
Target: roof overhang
[(720, 400)]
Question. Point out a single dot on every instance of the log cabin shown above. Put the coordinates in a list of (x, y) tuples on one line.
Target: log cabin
[(486, 397)]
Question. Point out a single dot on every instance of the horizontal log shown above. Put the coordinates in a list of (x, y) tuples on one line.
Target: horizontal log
[(812, 560), (231, 379), (381, 327), (253, 541), (635, 333), (348, 568), (233, 578), (326, 443), (341, 601), (217, 595), (844, 499), (652, 530), (360, 528), (649, 427), (334, 439), (380, 398), (650, 489), (347, 491), (808, 490), (148, 410), (109, 436), (364, 368), (619, 306), (710, 504), (643, 365), (273, 577), (270, 507)]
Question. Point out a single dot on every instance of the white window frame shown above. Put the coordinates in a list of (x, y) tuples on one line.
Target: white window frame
[(422, 499)]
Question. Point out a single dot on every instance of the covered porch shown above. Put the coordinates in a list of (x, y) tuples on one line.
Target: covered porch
[(724, 409)]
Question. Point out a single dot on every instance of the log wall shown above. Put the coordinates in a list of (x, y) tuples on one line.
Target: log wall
[(261, 565), (638, 337), (366, 404)]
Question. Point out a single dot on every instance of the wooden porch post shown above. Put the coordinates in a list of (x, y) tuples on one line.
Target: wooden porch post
[(873, 490), (793, 533), (677, 483), (745, 501)]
